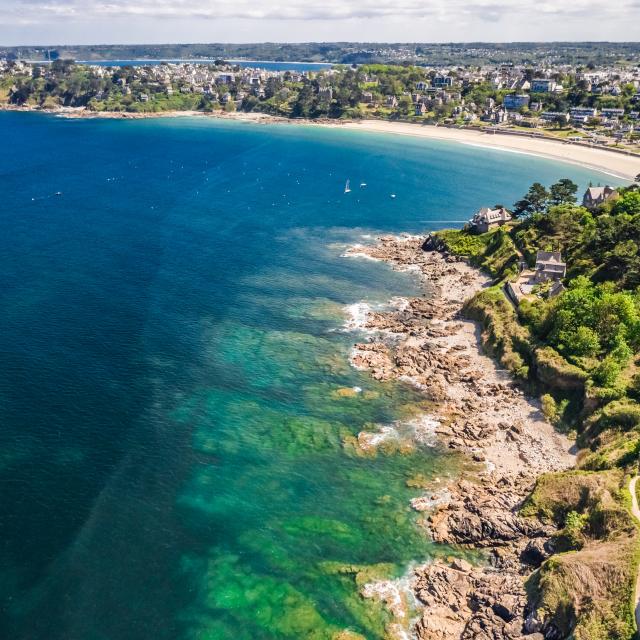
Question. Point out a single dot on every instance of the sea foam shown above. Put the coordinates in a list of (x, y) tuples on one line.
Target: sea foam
[(356, 316)]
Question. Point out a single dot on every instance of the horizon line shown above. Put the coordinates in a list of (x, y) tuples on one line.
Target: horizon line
[(327, 42)]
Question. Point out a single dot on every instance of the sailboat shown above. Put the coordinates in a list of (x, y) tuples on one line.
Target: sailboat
[(347, 188)]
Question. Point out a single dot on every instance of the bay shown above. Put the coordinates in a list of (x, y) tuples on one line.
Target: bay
[(177, 409)]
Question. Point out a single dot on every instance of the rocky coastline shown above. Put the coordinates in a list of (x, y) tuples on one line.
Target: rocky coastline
[(479, 412)]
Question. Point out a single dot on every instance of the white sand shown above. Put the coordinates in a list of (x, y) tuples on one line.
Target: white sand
[(618, 165)]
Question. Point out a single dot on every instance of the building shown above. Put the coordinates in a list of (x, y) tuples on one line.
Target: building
[(515, 102), (554, 116), (487, 219), (442, 81), (595, 196), (499, 116), (612, 113), (549, 266), (543, 85), (421, 109), (582, 114), (325, 93)]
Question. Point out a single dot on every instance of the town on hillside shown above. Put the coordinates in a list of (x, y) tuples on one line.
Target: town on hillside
[(587, 103)]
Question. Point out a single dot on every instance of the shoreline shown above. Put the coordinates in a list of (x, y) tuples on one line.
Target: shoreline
[(618, 164), (481, 414), (615, 163)]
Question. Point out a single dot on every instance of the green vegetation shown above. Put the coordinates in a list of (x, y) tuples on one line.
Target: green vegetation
[(586, 588), (374, 89), (495, 251), (581, 351), (588, 337), (502, 335), (589, 53)]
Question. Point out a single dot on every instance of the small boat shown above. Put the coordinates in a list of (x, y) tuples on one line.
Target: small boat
[(58, 193), (347, 188), (393, 195), (363, 185)]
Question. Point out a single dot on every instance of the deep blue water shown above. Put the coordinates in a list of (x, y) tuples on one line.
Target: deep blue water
[(176, 403), (269, 65)]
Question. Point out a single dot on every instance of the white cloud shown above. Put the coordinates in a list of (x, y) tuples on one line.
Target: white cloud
[(295, 20), (40, 11)]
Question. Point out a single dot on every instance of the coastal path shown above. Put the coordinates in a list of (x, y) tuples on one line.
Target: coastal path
[(635, 510)]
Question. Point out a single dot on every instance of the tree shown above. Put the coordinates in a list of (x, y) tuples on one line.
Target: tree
[(563, 192), (535, 200), (559, 122), (20, 94), (607, 372), (585, 342)]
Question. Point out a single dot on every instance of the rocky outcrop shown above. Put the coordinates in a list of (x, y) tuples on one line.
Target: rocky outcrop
[(479, 412), (470, 604), (485, 514)]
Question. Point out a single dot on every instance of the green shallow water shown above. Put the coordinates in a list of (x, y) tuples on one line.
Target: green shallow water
[(178, 413), (306, 519)]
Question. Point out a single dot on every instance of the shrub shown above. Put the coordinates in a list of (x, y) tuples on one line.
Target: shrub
[(573, 529), (607, 372), (549, 407)]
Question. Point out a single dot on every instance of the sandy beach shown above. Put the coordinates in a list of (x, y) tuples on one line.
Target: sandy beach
[(618, 165)]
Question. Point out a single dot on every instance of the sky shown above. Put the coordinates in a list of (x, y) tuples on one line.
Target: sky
[(54, 22)]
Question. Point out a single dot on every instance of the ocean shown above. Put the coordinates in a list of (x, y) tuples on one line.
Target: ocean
[(178, 413)]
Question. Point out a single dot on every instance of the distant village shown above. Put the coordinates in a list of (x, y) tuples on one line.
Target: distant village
[(598, 105)]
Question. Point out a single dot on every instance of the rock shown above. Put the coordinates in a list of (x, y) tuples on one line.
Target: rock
[(507, 607), (459, 564), (532, 624), (424, 340), (534, 554)]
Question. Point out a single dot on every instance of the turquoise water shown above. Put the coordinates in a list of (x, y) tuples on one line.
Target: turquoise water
[(178, 412)]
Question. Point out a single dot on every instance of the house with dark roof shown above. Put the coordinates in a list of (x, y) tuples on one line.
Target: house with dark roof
[(549, 266), (595, 196)]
